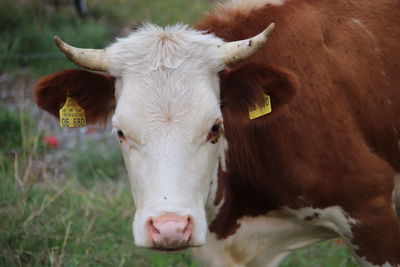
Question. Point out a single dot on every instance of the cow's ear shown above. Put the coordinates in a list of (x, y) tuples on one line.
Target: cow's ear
[(94, 92), (244, 87)]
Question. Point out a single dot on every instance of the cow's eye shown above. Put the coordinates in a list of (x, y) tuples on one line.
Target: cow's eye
[(215, 132), (120, 135), (215, 128)]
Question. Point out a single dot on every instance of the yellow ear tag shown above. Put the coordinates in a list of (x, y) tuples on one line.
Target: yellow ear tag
[(72, 115), (258, 111)]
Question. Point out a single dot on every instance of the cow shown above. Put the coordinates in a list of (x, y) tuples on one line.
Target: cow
[(245, 192)]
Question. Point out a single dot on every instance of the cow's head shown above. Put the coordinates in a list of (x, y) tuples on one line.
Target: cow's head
[(163, 90)]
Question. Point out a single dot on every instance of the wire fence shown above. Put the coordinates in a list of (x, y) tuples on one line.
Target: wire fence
[(32, 56)]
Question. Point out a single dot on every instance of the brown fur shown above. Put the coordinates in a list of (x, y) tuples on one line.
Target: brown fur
[(94, 92), (333, 139)]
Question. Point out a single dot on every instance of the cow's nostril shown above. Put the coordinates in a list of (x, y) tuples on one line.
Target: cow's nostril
[(153, 228), (189, 226)]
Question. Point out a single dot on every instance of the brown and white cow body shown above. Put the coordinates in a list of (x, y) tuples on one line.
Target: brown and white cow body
[(321, 165)]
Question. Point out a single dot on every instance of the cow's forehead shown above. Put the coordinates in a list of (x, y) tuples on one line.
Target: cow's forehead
[(185, 109), (155, 106)]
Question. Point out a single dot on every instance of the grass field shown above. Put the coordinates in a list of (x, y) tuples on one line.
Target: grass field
[(70, 205)]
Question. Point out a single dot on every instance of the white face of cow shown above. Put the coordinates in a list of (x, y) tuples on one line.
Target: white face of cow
[(168, 118), (169, 121)]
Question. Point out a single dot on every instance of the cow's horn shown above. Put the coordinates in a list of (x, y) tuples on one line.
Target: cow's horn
[(235, 52), (93, 59)]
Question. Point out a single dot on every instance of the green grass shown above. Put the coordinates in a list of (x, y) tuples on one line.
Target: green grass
[(97, 162), (10, 139), (67, 223), (27, 32), (324, 254), (161, 12)]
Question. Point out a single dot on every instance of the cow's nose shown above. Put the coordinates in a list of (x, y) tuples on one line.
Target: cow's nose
[(170, 231)]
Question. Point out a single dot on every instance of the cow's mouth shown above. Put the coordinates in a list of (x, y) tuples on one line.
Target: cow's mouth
[(170, 250), (173, 249), (171, 245)]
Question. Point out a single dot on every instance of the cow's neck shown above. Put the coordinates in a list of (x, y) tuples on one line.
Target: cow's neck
[(239, 194)]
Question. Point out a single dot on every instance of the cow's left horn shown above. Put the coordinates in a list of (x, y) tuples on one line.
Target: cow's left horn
[(93, 59), (235, 52)]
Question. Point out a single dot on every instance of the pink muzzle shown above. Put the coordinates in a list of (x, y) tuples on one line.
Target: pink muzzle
[(170, 231)]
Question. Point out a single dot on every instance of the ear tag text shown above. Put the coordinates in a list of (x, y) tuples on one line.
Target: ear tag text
[(72, 115), (257, 111)]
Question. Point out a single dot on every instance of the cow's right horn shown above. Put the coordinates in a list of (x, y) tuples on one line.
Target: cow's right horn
[(93, 59), (234, 52)]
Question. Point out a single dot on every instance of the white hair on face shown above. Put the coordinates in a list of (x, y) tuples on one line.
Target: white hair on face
[(152, 47), (167, 91)]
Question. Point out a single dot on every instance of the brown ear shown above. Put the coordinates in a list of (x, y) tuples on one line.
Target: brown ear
[(94, 92), (243, 87)]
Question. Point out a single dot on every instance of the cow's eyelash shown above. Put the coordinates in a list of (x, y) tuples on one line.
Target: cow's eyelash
[(130, 139)]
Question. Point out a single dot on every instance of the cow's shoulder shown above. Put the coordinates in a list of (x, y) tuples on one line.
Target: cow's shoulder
[(268, 238)]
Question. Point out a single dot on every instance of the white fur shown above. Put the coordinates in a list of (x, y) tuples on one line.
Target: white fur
[(167, 94), (211, 209), (363, 262), (266, 240), (334, 218)]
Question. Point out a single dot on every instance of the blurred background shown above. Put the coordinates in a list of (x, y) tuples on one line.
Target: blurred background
[(64, 195)]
